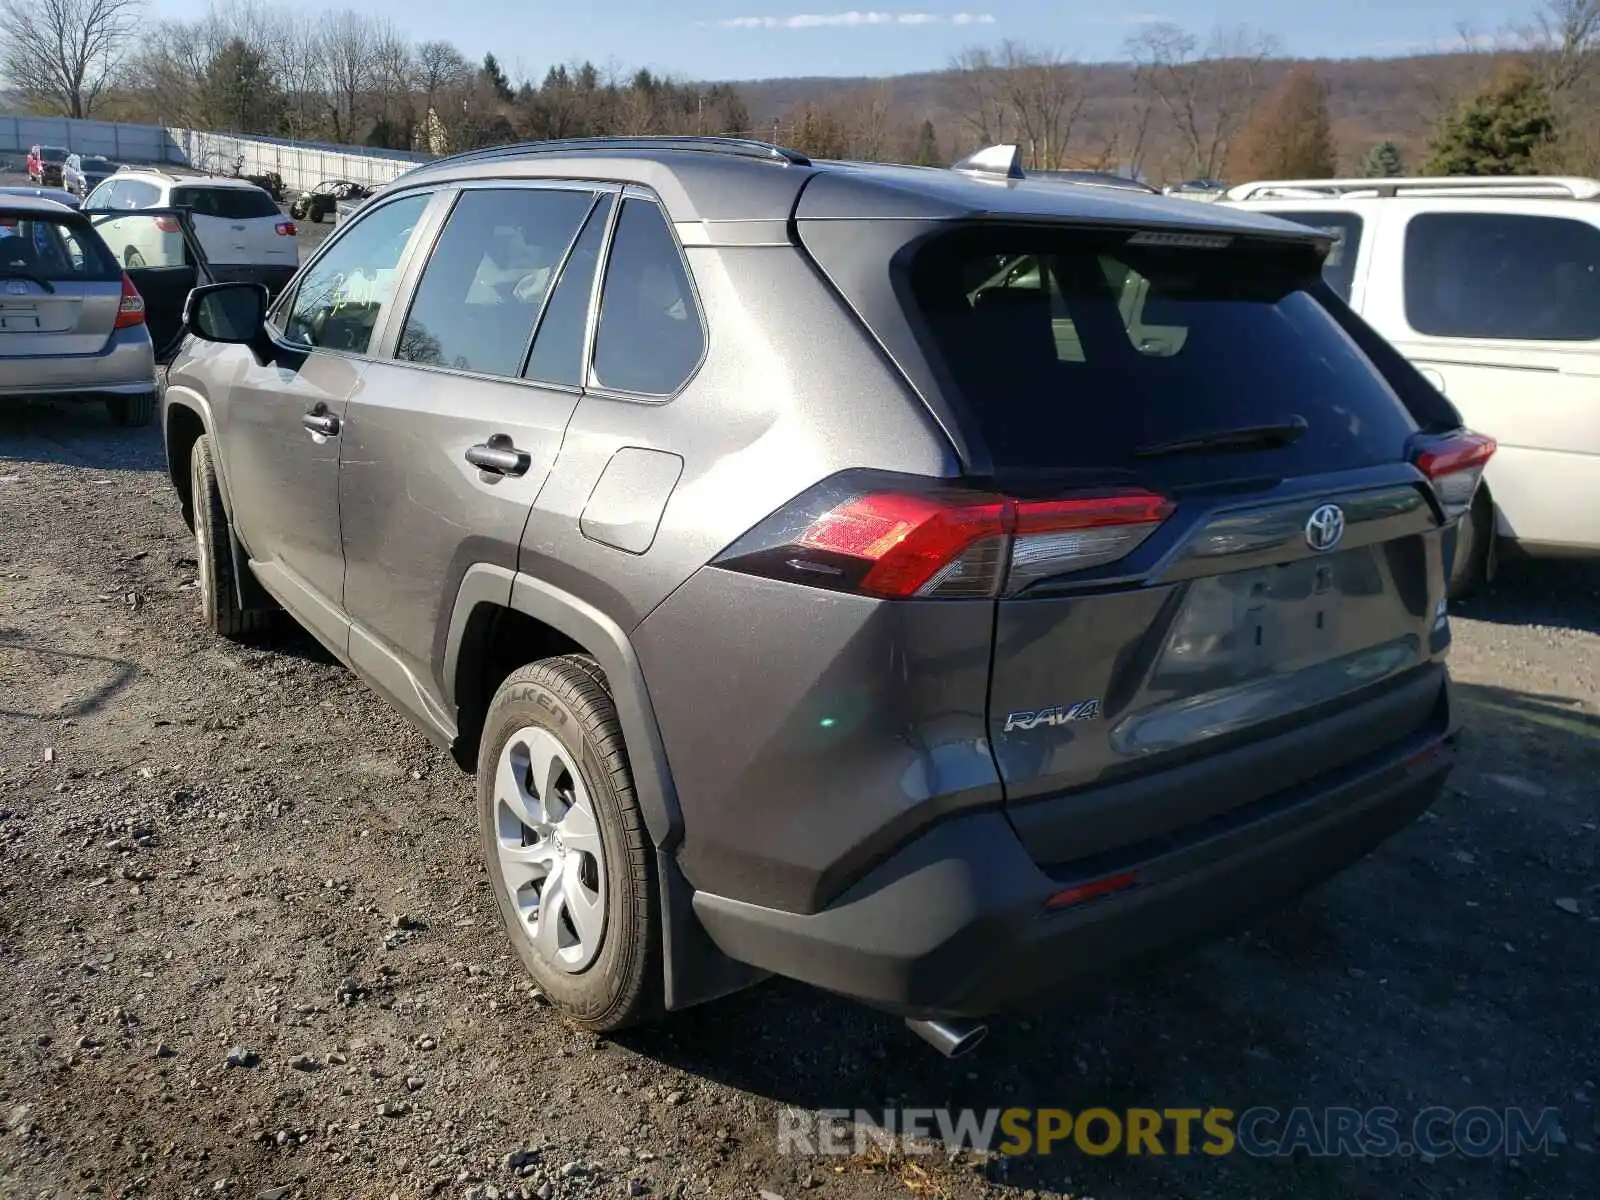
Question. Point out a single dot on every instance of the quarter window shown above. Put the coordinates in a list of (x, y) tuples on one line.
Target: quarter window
[(649, 340), (339, 301), (1503, 276), (488, 276)]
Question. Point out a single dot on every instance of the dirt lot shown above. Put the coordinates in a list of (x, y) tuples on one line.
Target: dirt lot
[(213, 854)]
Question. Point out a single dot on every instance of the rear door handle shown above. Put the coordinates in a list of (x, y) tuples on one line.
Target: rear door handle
[(319, 420), (499, 456)]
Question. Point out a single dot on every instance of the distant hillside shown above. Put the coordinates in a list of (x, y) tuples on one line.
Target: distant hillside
[(1370, 99)]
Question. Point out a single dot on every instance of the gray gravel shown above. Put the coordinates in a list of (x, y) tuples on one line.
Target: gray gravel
[(203, 848)]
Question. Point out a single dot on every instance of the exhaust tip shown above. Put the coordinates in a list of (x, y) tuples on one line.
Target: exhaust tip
[(950, 1038)]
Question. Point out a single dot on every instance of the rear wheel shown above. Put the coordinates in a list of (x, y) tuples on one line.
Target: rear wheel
[(1469, 568), (566, 846), (132, 412), (219, 599)]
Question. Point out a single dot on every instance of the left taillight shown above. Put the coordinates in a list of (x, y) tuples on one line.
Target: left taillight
[(285, 228), (941, 542), (168, 225), (1454, 464), (130, 311)]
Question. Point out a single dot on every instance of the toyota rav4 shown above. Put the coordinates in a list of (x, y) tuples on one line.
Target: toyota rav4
[(934, 585)]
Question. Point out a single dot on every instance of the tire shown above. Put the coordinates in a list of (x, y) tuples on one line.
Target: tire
[(219, 601), (317, 214), (132, 259), (554, 719), (1469, 567), (132, 412)]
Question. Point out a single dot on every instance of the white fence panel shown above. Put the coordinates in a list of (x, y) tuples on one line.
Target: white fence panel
[(301, 164)]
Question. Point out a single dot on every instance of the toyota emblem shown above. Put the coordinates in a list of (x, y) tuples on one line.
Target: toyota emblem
[(1325, 528)]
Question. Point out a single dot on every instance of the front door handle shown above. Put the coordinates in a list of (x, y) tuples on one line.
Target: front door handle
[(499, 456), (320, 420)]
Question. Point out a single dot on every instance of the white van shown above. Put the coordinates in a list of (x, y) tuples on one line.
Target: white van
[(1491, 286)]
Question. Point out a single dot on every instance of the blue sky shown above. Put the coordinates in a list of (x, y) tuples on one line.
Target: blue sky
[(744, 39)]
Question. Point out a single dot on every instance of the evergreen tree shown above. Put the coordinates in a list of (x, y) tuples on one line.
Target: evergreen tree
[(928, 146), (238, 92), (1382, 162), (496, 79), (1289, 136), (1500, 131)]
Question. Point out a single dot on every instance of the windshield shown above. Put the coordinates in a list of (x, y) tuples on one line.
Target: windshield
[(52, 154), (53, 249), (98, 164)]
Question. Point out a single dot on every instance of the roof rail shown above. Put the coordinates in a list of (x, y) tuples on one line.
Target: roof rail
[(738, 147), (1568, 187), (993, 162)]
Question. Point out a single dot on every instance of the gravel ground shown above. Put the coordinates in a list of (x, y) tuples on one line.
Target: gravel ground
[(246, 948)]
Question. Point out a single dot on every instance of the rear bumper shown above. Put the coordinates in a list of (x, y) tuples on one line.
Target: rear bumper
[(126, 367), (956, 923)]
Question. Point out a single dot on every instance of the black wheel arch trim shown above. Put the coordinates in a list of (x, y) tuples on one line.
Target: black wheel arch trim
[(695, 970), (247, 588), (608, 642)]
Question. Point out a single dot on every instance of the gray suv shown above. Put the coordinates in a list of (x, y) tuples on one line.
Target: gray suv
[(934, 585)]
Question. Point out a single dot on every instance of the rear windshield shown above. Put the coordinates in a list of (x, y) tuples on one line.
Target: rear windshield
[(231, 204), (58, 251), (52, 154), (1076, 351)]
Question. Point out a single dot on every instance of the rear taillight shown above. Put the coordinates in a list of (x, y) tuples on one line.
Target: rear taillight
[(285, 228), (168, 225), (1454, 463), (927, 541), (131, 309)]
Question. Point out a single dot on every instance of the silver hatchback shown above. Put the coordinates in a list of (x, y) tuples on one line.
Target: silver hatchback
[(73, 323)]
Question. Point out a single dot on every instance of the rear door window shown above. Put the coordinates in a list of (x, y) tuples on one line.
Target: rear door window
[(1503, 276), (1082, 352), (558, 346), (228, 204), (486, 281)]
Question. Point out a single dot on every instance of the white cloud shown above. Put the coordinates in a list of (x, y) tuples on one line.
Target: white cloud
[(851, 20)]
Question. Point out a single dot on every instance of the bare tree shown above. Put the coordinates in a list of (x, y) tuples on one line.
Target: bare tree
[(64, 53), (1564, 38), (868, 118), (348, 45), (978, 96), (1206, 91), (1045, 99)]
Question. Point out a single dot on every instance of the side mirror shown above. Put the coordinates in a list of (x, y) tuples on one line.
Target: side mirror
[(235, 313)]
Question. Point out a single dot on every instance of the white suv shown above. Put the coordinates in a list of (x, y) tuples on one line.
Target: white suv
[(1491, 287), (241, 229)]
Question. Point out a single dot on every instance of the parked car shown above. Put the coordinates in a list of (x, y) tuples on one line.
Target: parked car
[(244, 233), (1492, 288), (73, 323), (319, 203), (45, 164), (85, 172), (935, 586), (59, 195)]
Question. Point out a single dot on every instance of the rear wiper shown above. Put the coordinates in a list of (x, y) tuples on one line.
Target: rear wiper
[(1244, 437), (16, 273)]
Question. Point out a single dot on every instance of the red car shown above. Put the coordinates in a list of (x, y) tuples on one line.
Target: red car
[(45, 163)]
